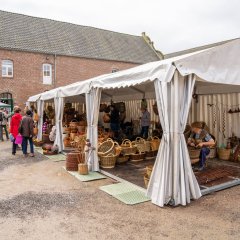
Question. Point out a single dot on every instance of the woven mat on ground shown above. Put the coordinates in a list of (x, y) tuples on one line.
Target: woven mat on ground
[(86, 178), (55, 158), (126, 193)]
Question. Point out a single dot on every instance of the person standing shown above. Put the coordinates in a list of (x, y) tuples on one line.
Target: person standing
[(14, 126), (145, 122), (26, 131), (3, 123), (114, 121)]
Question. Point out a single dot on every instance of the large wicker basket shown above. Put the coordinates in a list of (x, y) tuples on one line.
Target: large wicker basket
[(108, 161), (224, 153), (128, 148), (106, 147)]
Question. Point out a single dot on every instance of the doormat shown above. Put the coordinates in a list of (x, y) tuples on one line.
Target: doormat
[(55, 158), (86, 178), (126, 193)]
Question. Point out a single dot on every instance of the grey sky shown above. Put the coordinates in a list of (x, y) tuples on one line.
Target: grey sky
[(173, 25)]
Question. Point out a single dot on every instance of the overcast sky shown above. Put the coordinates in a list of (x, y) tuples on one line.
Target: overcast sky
[(173, 25)]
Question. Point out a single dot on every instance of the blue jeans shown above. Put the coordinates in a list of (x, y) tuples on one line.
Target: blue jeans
[(144, 132), (25, 144), (203, 155)]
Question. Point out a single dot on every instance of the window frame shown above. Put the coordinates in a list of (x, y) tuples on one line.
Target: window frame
[(8, 64), (47, 79)]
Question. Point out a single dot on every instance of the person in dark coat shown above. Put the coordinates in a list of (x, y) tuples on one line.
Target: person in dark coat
[(114, 121), (26, 131), (14, 126)]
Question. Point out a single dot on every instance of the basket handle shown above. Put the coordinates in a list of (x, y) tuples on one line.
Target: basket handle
[(74, 120), (156, 138), (126, 142), (139, 139)]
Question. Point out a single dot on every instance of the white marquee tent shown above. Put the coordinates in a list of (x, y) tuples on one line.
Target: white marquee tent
[(172, 81)]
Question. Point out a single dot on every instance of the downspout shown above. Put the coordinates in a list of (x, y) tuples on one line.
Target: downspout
[(55, 70)]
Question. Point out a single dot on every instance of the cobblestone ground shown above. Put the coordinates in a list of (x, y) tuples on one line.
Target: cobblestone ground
[(39, 200)]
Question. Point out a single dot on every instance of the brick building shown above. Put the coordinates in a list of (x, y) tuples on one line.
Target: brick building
[(38, 54)]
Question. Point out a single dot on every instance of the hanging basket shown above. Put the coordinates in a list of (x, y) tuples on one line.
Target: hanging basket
[(108, 161), (107, 147)]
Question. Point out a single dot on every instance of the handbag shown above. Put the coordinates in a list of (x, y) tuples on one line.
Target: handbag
[(19, 139)]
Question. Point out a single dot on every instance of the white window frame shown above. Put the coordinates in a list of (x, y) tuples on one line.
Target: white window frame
[(7, 65), (47, 73)]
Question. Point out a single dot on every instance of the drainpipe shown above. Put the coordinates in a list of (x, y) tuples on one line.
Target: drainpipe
[(55, 70)]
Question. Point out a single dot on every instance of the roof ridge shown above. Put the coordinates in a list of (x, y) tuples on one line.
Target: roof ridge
[(49, 19)]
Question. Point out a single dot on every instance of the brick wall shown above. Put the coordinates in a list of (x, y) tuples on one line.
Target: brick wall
[(28, 76)]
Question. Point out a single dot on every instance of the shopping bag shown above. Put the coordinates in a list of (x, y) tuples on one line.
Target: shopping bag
[(18, 139)]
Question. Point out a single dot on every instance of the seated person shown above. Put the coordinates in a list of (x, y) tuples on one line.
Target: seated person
[(200, 138)]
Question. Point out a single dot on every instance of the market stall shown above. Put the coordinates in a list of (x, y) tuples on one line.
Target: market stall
[(173, 80)]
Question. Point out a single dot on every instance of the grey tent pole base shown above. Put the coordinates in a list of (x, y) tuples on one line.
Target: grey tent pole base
[(220, 187)]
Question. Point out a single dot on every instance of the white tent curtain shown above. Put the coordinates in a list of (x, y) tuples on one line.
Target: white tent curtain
[(40, 106), (58, 103), (92, 106), (173, 181)]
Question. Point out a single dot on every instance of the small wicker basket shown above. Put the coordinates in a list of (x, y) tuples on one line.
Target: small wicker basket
[(108, 161), (142, 145), (155, 142)]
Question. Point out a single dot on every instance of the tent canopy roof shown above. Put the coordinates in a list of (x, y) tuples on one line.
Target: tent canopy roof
[(215, 65)]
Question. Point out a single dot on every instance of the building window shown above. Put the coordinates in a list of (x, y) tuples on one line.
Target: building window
[(47, 74), (7, 68)]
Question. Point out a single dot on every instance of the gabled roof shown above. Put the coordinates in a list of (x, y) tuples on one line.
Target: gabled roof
[(191, 50), (33, 34)]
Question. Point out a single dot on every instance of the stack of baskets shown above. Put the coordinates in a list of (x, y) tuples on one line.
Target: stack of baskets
[(73, 159), (107, 154)]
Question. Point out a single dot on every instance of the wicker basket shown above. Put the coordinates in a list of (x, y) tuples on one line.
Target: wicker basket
[(128, 148), (108, 161), (142, 145), (122, 159), (224, 154), (146, 180), (149, 170), (213, 153), (118, 148), (107, 147), (83, 169), (194, 153), (137, 157), (155, 142), (150, 155)]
